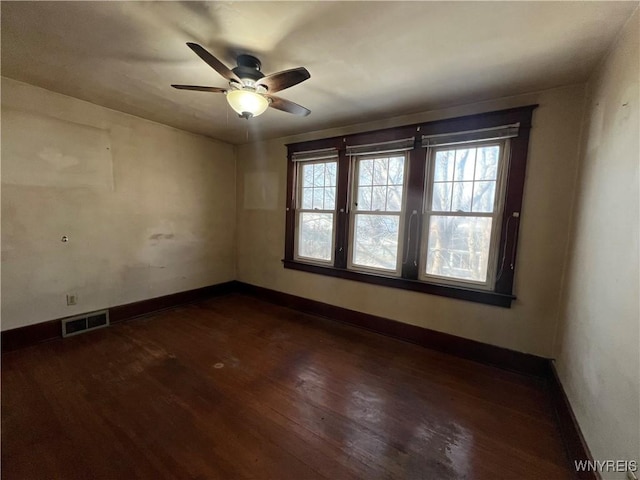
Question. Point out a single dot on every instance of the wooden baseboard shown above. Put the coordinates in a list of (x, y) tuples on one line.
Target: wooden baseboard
[(461, 347), (44, 331), (145, 307), (443, 342), (574, 441)]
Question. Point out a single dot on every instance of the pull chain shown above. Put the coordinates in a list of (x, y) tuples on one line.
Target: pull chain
[(406, 248), (516, 217)]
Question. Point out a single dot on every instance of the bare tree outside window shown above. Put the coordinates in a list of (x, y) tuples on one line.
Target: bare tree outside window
[(462, 212), (317, 203), (377, 208)]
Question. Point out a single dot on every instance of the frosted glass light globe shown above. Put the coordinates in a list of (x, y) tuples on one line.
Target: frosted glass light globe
[(246, 101)]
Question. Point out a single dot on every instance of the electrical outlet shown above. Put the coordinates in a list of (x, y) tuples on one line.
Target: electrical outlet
[(72, 299)]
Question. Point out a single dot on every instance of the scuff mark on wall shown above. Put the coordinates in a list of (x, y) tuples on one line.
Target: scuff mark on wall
[(159, 236), (57, 159), (60, 154)]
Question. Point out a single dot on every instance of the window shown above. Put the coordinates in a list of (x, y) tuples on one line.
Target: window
[(433, 207), (316, 210), (462, 213), (376, 212), (316, 205)]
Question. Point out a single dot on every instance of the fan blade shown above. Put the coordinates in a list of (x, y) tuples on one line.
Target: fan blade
[(200, 89), (213, 62), (285, 79), (287, 106)]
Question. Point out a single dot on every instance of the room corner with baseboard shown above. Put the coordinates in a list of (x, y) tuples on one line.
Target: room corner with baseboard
[(597, 348)]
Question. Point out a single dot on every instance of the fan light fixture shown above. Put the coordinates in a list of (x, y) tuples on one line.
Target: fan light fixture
[(250, 92), (247, 103)]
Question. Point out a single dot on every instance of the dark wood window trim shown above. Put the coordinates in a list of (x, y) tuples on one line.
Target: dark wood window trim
[(502, 294)]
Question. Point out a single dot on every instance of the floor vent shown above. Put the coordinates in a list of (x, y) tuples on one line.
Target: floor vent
[(84, 323)]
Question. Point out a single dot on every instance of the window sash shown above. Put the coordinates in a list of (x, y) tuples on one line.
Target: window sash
[(488, 284), (496, 215), (306, 259), (354, 212), (357, 266), (299, 211)]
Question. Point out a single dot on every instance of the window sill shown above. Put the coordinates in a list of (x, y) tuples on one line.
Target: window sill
[(478, 296)]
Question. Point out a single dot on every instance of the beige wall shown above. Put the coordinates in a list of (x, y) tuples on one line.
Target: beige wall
[(528, 326), (149, 210), (598, 341)]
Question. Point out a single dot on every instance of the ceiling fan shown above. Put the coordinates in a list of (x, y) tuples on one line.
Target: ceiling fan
[(250, 92)]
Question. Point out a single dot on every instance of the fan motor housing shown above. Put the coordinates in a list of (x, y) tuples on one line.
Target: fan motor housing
[(249, 89), (248, 67)]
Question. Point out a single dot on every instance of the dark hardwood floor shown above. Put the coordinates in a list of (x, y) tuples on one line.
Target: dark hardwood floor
[(236, 388)]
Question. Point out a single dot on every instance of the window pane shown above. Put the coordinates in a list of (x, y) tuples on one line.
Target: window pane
[(376, 241), (394, 198), (484, 196), (459, 247), (330, 177), (441, 197), (315, 235), (487, 163), (307, 175), (318, 174), (329, 198), (364, 198), (461, 196), (318, 198), (396, 170), (379, 199), (465, 163), (380, 166), (365, 174), (444, 165), (307, 198)]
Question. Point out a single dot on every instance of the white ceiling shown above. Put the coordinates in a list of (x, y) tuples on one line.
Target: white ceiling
[(368, 60)]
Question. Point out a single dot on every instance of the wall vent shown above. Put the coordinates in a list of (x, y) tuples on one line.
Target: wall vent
[(84, 323)]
